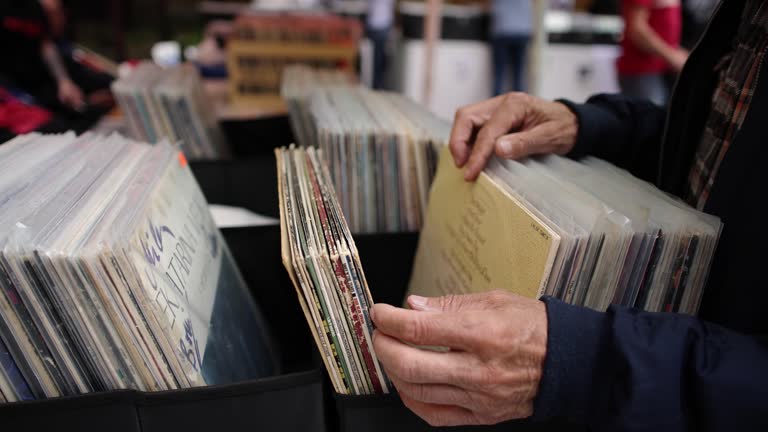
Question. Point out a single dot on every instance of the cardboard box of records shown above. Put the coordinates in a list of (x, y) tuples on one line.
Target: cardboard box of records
[(263, 44)]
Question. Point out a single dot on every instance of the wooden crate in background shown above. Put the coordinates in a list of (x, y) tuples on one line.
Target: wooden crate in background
[(262, 46)]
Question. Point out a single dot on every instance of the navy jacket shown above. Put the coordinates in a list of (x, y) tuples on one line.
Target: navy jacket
[(630, 370)]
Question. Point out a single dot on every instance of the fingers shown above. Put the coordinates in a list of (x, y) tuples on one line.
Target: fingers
[(440, 394), (440, 415), (518, 145), (485, 409), (508, 116), (458, 302), (449, 303), (426, 328), (463, 129), (466, 122), (422, 366)]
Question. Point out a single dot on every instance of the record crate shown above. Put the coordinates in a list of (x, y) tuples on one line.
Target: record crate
[(255, 67), (266, 404), (263, 44)]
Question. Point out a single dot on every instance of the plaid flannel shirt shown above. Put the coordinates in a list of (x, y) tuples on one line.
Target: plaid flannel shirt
[(738, 72)]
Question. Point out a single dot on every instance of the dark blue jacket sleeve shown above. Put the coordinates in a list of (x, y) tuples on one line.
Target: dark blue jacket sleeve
[(624, 131), (637, 371)]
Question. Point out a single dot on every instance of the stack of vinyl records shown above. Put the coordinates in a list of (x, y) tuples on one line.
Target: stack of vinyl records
[(298, 83), (113, 274), (322, 261), (381, 149), (170, 104), (585, 232)]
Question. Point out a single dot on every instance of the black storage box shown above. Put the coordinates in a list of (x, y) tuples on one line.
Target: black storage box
[(247, 183), (266, 404), (257, 137)]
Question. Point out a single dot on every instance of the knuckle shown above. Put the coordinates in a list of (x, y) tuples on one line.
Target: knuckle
[(486, 378), (533, 374), (409, 403), (523, 145), (461, 113), (434, 420), (417, 330), (417, 391), (498, 296), (468, 399), (526, 410), (517, 97), (450, 302), (400, 368), (483, 135), (406, 369), (487, 418), (505, 392), (417, 409), (512, 97)]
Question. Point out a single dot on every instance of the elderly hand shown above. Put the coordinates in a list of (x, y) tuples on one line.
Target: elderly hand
[(514, 125), (491, 373)]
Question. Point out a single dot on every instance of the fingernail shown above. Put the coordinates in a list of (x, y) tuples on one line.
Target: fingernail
[(468, 173), (505, 147), (418, 302), (459, 160), (372, 313)]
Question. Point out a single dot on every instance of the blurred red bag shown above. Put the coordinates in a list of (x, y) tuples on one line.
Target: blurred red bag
[(20, 117)]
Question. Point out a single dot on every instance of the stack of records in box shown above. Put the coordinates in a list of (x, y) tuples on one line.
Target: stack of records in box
[(585, 232), (170, 104), (113, 274), (381, 149), (321, 258), (297, 84)]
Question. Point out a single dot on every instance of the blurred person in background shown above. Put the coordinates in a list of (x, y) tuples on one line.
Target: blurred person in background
[(33, 64), (651, 53), (95, 84), (378, 24), (511, 29)]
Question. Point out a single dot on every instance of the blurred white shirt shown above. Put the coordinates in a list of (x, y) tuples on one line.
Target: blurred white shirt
[(511, 17), (381, 14)]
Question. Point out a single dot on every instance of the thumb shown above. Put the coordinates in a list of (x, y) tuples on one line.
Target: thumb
[(519, 145), (448, 303)]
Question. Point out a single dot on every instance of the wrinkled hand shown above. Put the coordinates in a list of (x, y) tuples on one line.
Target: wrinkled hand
[(70, 94), (491, 373), (513, 126)]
